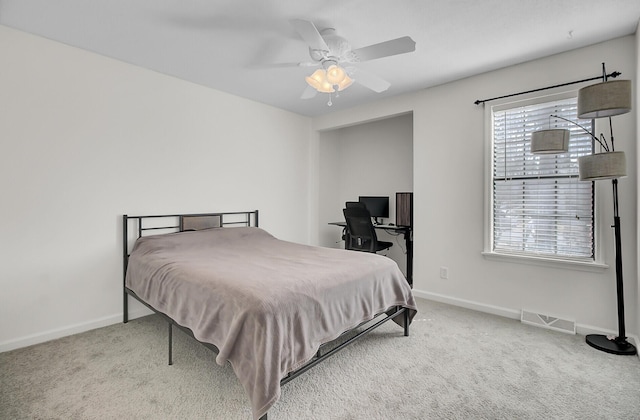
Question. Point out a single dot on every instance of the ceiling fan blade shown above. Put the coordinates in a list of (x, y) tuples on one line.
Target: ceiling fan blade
[(385, 49), (370, 80), (283, 65), (308, 93), (310, 34)]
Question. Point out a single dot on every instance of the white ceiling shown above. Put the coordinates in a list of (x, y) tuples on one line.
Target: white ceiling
[(229, 44)]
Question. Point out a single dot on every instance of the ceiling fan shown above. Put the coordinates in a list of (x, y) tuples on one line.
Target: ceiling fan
[(336, 57)]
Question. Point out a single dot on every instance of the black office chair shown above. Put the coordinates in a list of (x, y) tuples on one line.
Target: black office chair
[(350, 204), (361, 235)]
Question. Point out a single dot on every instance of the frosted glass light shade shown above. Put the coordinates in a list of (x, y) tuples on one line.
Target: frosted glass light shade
[(318, 80), (604, 99), (550, 141), (606, 165), (335, 74), (346, 82)]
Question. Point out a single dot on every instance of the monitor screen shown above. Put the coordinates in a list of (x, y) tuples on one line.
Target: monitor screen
[(377, 206)]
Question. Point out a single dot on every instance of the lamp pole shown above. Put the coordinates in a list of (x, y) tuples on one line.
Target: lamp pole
[(619, 344), (604, 99)]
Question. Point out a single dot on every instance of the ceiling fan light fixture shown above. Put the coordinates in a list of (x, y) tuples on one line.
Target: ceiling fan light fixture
[(329, 80), (318, 81)]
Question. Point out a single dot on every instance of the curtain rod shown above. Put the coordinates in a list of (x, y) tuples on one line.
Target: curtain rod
[(482, 101)]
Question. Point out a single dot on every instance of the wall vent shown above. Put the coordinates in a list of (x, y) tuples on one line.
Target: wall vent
[(547, 321)]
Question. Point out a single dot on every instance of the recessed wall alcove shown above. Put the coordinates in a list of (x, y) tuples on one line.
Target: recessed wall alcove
[(370, 158)]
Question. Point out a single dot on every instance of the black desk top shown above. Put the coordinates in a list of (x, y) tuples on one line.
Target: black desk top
[(387, 227)]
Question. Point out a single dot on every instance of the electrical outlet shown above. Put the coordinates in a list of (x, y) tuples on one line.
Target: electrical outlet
[(444, 272)]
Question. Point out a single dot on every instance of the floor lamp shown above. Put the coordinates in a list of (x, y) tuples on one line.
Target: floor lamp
[(602, 100)]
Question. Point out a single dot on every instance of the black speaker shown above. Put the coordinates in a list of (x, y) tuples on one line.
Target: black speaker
[(404, 209)]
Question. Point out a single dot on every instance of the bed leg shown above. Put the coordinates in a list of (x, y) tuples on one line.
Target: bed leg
[(125, 308), (170, 344), (406, 322)]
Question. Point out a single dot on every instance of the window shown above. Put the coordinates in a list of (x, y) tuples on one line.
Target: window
[(539, 208)]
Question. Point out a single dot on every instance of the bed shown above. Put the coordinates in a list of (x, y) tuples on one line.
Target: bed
[(269, 307)]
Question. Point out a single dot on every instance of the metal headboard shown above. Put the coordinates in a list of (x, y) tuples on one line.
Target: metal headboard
[(134, 227)]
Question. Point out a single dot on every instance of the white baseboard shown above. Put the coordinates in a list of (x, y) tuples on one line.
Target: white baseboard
[(581, 329), (38, 338), (468, 304)]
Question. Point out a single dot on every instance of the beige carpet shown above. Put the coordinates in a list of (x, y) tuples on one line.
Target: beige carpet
[(457, 364)]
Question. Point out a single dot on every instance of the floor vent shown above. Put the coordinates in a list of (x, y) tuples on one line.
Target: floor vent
[(550, 322)]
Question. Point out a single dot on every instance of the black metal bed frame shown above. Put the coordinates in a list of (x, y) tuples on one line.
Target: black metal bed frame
[(176, 223)]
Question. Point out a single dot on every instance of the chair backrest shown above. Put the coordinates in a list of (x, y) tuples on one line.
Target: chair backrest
[(361, 235), (350, 204)]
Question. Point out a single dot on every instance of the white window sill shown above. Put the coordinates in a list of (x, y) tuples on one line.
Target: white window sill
[(546, 262)]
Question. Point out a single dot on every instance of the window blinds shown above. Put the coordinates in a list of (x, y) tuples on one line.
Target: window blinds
[(539, 205)]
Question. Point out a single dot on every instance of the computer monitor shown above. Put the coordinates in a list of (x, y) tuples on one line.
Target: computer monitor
[(377, 206)]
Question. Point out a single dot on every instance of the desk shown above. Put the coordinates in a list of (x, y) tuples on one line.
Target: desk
[(407, 233)]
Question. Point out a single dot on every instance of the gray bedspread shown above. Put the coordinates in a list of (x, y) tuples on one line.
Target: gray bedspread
[(266, 304)]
